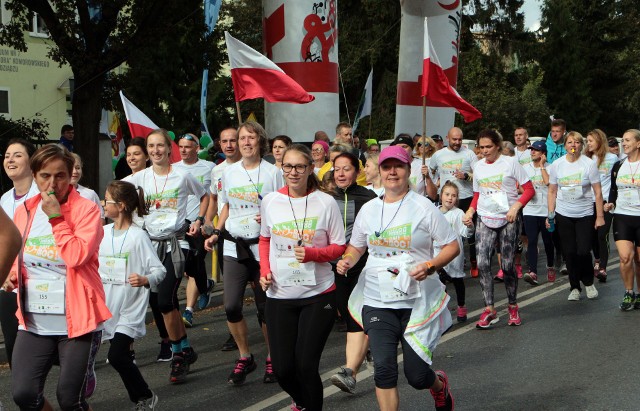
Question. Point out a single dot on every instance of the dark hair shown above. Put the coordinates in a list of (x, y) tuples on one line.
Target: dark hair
[(492, 135), (127, 194), (558, 122), (254, 127), (24, 143), (349, 156), (285, 139), (66, 127), (167, 139), (140, 142), (312, 181), (50, 152)]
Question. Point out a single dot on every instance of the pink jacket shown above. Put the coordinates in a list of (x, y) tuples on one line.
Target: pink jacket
[(77, 234)]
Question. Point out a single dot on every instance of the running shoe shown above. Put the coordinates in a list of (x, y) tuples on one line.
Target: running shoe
[(190, 355), (187, 318), (229, 345), (165, 352), (344, 380), (179, 369), (601, 275), (551, 274), (519, 271), (563, 269), (514, 316), (148, 404), (243, 367), (531, 278), (269, 375), (295, 407), (487, 318), (474, 269), (499, 276), (443, 398), (574, 295), (592, 293), (628, 301), (462, 314), (204, 299)]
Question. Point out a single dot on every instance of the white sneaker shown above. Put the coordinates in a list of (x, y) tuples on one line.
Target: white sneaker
[(592, 293), (574, 295), (563, 269)]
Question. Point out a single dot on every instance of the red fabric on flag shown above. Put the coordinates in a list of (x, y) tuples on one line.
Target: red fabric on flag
[(140, 125), (254, 76), (436, 86)]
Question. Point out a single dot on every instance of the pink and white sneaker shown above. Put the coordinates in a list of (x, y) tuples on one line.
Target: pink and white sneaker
[(487, 318), (499, 276), (514, 316)]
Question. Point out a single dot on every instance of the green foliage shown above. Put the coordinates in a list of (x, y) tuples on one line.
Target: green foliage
[(34, 129)]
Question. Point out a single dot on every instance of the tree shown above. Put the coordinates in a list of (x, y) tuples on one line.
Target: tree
[(94, 37)]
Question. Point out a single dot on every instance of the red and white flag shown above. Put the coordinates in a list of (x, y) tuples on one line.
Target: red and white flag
[(436, 87), (140, 125), (254, 76)]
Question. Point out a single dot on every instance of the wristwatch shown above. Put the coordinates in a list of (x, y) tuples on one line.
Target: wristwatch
[(200, 218), (215, 231), (430, 268)]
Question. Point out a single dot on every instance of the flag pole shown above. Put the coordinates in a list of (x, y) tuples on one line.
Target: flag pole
[(424, 129), (239, 114)]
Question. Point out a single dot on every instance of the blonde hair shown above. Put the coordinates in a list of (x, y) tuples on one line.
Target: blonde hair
[(574, 135), (603, 145)]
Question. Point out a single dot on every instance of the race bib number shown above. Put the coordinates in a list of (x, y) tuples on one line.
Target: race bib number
[(292, 272), (496, 202), (388, 293), (162, 219), (571, 193), (113, 270), (243, 226), (45, 296), (628, 197)]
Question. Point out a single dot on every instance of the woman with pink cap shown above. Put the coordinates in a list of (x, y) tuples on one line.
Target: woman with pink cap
[(319, 153), (396, 291)]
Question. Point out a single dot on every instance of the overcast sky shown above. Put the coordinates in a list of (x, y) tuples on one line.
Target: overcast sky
[(531, 9)]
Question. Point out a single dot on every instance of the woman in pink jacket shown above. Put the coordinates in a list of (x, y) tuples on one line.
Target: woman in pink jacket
[(61, 302)]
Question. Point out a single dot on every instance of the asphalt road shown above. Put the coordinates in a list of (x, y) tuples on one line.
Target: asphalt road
[(565, 356)]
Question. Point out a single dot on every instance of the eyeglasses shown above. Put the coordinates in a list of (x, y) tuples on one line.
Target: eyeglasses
[(189, 137), (419, 144), (300, 168), (318, 150), (105, 202)]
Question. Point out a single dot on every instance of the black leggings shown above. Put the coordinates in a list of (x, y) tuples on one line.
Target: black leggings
[(298, 331), (458, 284), (194, 262), (35, 354), (236, 277), (576, 236), (8, 320), (464, 204), (344, 286), (535, 225), (601, 240), (385, 328), (120, 359), (166, 299)]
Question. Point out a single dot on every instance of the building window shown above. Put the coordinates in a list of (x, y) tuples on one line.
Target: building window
[(4, 102), (37, 28)]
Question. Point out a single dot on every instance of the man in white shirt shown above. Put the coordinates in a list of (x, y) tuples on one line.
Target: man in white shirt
[(455, 163), (523, 154), (198, 283)]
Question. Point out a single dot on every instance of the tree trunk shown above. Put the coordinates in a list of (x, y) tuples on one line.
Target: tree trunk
[(87, 105)]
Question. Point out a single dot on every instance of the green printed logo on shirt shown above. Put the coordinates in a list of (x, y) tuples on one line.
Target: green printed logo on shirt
[(492, 183), (288, 229), (393, 237), (43, 247), (571, 180), (167, 198), (453, 164), (246, 193)]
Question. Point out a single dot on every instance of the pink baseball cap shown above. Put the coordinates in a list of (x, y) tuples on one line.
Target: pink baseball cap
[(324, 145), (396, 152)]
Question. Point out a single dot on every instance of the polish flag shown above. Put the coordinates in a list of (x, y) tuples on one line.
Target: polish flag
[(256, 76), (140, 125), (436, 87)]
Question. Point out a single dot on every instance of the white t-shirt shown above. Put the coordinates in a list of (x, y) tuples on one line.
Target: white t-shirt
[(136, 219), (497, 184), (416, 178), (201, 170), (46, 272), (379, 191), (91, 195), (538, 205), (454, 217), (524, 157), (10, 203), (244, 190), (127, 304), (410, 226), (574, 180), (604, 169), (167, 198), (216, 181), (628, 183), (446, 162), (284, 221)]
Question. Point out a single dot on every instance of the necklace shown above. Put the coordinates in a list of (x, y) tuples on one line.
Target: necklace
[(158, 196), (113, 249), (382, 230), (633, 176), (255, 186), (295, 220)]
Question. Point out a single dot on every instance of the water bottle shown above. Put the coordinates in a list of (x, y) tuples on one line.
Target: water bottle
[(552, 221)]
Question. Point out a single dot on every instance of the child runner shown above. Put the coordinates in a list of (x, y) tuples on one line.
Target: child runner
[(129, 267)]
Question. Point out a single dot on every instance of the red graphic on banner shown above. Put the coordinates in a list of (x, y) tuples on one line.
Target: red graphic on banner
[(316, 26), (410, 92), (273, 29), (451, 6), (314, 77)]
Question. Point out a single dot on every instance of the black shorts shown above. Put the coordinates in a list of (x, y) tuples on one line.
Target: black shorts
[(626, 228)]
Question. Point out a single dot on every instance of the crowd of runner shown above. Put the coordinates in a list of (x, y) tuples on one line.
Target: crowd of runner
[(338, 230)]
